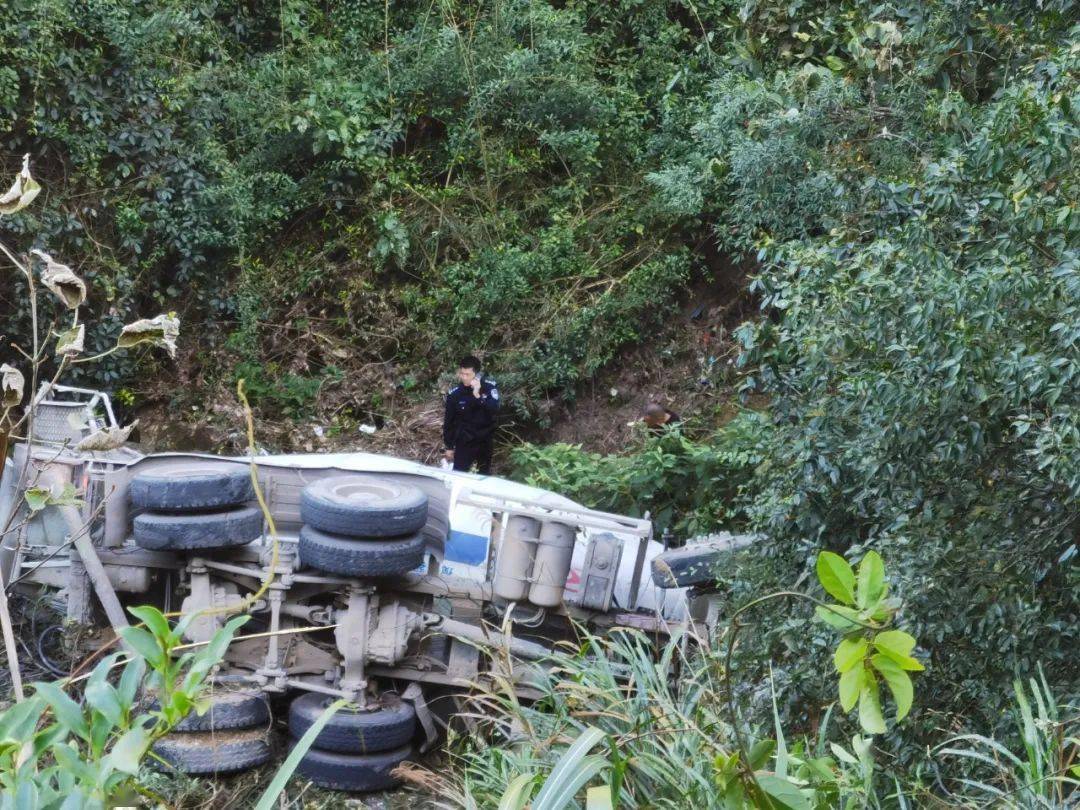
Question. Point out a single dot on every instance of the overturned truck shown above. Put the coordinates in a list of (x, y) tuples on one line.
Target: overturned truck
[(377, 579)]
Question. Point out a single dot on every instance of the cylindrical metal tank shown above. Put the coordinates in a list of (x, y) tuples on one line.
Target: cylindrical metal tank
[(552, 564), (515, 559)]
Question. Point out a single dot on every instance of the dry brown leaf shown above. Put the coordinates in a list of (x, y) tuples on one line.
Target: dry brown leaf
[(106, 439), (12, 385), (22, 191), (160, 331), (61, 279), (71, 342)]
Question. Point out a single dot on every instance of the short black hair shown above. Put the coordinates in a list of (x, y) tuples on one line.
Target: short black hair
[(469, 361)]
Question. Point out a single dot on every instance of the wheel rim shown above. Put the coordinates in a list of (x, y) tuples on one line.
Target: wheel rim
[(363, 493), (384, 702)]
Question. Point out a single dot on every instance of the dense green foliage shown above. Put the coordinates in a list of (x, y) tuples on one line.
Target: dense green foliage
[(688, 485), (648, 731), (340, 184), (923, 356), (345, 180)]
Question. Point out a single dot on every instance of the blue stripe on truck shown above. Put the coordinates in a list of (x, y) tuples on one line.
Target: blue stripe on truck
[(462, 547)]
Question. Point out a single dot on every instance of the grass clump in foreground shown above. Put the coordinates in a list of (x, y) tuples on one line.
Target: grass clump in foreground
[(624, 724)]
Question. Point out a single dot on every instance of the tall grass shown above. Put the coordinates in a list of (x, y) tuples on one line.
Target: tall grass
[(647, 729), (1041, 773), (658, 721), (627, 726)]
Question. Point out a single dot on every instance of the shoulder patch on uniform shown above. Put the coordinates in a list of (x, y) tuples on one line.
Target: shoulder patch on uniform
[(455, 389), (495, 393)]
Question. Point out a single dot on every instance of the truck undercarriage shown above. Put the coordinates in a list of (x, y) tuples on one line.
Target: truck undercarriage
[(367, 577)]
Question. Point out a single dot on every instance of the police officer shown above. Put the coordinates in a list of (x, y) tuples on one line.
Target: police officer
[(469, 423)]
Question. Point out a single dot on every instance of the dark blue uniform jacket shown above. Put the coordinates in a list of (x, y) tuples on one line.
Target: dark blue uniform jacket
[(469, 420)]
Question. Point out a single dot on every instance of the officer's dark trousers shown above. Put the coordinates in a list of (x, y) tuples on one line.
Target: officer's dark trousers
[(470, 453)]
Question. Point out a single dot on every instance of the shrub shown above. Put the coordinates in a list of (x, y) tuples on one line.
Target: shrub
[(691, 485)]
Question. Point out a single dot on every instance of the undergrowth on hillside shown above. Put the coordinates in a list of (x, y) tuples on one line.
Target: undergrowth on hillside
[(690, 484), (347, 185)]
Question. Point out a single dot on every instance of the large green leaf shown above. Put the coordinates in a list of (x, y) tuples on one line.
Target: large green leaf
[(782, 792), (842, 754), (127, 753), (734, 795), (76, 801), (760, 752), (870, 717), (17, 723), (851, 683), (849, 653), (518, 792), (101, 695), (898, 681), (780, 766), (223, 637), (838, 616), (571, 772), (897, 645), (130, 680), (871, 584), (71, 760), (67, 711), (836, 577), (27, 796), (155, 622), (101, 728), (895, 641), (143, 644)]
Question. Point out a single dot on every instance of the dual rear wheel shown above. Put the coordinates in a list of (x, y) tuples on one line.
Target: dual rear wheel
[(232, 735), (362, 527), (357, 750), (353, 526), (194, 509)]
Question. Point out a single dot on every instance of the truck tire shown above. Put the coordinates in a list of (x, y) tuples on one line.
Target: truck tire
[(363, 507), (353, 731), (228, 710), (360, 558), (353, 772), (214, 752), (191, 489), (158, 531)]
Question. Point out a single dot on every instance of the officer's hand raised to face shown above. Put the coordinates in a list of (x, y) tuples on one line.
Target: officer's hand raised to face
[(476, 387)]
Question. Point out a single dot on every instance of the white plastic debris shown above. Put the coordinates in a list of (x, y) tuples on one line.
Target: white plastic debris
[(368, 429)]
